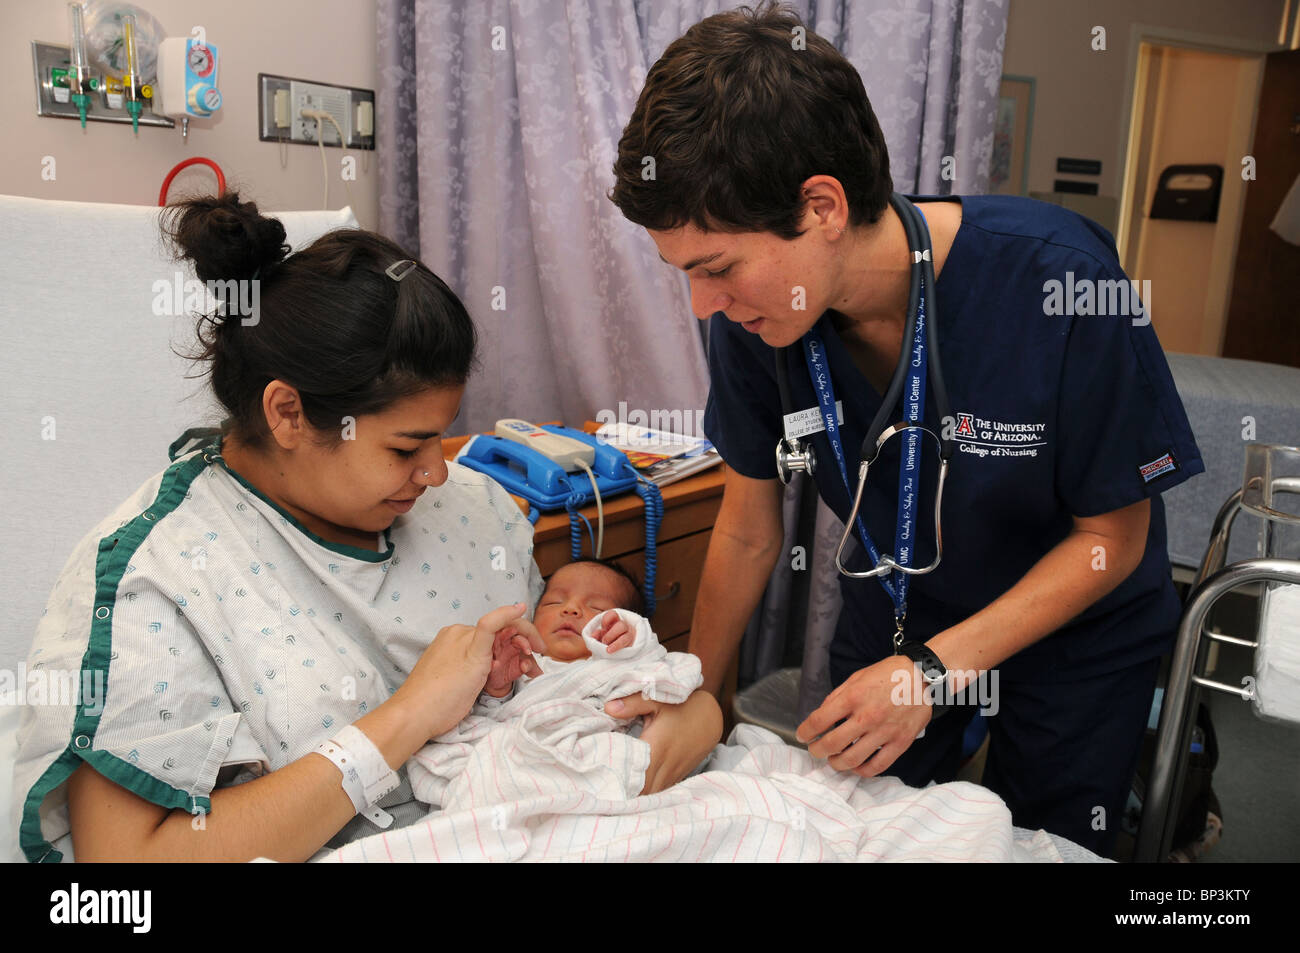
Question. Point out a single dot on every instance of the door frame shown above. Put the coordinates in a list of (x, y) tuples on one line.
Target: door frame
[(1134, 152)]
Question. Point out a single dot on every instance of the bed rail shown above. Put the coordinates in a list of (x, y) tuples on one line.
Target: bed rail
[(1187, 669)]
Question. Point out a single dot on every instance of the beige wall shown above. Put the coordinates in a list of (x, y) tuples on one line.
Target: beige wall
[(1079, 108), (325, 40)]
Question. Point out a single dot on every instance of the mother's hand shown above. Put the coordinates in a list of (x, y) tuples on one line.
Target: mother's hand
[(452, 671), (679, 736), (881, 710)]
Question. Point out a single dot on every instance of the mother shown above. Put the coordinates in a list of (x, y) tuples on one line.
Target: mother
[(261, 610)]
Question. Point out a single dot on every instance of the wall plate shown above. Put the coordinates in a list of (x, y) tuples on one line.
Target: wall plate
[(47, 57), (339, 101)]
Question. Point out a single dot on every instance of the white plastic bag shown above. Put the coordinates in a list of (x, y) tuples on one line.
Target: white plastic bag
[(105, 45), (1277, 660)]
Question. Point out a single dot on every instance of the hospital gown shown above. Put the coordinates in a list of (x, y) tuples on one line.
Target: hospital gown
[(227, 635)]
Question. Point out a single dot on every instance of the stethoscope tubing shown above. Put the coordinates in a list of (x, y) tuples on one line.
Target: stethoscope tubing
[(918, 242)]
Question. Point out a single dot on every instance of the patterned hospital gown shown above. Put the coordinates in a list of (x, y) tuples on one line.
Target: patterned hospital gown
[(226, 634)]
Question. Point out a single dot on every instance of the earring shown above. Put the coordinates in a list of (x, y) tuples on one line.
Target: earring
[(426, 472)]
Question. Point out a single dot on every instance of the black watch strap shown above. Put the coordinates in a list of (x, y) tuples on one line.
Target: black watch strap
[(933, 672)]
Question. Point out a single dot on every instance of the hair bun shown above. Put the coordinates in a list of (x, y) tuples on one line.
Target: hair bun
[(225, 238)]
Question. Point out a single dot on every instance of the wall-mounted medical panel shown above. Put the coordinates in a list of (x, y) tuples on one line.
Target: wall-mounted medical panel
[(282, 99), (53, 63)]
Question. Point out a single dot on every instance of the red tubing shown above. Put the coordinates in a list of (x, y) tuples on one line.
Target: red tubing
[(197, 160)]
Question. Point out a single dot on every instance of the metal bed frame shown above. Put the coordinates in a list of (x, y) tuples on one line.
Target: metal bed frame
[(1187, 670)]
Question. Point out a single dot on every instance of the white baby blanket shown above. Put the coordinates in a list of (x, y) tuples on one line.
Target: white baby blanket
[(553, 736), (546, 775)]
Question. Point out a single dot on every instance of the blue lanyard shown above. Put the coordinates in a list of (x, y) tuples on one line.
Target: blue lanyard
[(909, 461), (909, 464)]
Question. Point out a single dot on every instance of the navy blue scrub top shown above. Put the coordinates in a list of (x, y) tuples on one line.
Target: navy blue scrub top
[(1056, 416)]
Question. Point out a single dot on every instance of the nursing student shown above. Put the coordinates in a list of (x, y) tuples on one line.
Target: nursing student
[(772, 193), (304, 599)]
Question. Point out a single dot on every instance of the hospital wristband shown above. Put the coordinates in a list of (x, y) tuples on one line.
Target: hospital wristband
[(367, 778), (342, 759), (379, 779)]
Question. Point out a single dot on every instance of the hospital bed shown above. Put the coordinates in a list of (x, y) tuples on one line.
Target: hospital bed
[(81, 334), (93, 390), (96, 357)]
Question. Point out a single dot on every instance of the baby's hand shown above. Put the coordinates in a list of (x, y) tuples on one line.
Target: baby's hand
[(512, 656), (614, 632)]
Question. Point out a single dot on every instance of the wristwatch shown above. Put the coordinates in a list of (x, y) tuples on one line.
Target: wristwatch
[(933, 672)]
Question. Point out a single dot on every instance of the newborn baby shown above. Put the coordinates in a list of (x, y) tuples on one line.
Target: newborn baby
[(575, 595), (552, 734)]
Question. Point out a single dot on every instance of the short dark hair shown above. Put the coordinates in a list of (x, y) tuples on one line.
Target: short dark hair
[(736, 119), (330, 322), (635, 602)]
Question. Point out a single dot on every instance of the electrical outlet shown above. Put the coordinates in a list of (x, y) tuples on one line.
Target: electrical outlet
[(282, 99), (326, 99)]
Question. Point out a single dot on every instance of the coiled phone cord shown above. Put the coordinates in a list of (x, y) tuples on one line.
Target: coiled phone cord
[(571, 504), (654, 514)]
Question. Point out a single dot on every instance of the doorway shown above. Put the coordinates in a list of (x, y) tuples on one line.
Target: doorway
[(1192, 104)]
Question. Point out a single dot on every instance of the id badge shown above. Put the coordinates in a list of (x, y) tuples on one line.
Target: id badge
[(802, 423)]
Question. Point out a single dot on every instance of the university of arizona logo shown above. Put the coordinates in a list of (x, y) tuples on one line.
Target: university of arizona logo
[(980, 437)]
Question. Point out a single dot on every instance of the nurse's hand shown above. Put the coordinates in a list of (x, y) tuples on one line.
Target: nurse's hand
[(882, 709), (447, 679), (679, 736)]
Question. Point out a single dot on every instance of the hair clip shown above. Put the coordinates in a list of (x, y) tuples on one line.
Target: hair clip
[(392, 272)]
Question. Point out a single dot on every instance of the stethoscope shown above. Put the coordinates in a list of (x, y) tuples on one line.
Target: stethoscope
[(920, 352)]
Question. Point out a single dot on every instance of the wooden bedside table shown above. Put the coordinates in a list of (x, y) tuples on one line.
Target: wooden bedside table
[(690, 510)]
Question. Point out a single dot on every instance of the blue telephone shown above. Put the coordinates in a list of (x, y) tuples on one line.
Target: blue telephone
[(545, 466), (525, 470)]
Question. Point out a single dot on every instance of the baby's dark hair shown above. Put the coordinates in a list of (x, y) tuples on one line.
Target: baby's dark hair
[(330, 321), (636, 599)]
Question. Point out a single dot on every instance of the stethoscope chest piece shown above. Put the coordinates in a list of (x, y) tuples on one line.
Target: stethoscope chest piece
[(793, 457)]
